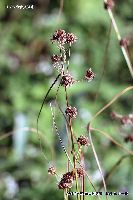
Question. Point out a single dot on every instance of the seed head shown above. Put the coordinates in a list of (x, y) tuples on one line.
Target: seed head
[(71, 112), (67, 80), (63, 184), (80, 173), (67, 175), (89, 75), (66, 181), (83, 140), (51, 170), (70, 38), (56, 58), (59, 36)]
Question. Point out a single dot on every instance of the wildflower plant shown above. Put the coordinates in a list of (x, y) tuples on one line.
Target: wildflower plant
[(74, 177), (73, 151), (61, 62), (75, 174)]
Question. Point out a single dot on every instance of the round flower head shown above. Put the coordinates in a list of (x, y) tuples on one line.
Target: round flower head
[(67, 80), (66, 181), (80, 173), (83, 140), (71, 112), (56, 58), (89, 75), (70, 38), (51, 170), (59, 36)]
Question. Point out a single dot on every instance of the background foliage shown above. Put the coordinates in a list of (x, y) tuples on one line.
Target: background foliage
[(26, 74)]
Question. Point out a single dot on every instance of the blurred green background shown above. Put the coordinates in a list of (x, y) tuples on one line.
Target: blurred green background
[(26, 73)]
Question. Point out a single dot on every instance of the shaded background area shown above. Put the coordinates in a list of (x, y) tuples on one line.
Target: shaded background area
[(26, 73)]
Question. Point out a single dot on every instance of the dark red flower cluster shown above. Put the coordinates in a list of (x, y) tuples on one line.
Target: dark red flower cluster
[(67, 80), (124, 119), (62, 37), (56, 58), (59, 36), (69, 177), (66, 181), (80, 173), (83, 140), (109, 4), (71, 112), (71, 38), (51, 170), (89, 75)]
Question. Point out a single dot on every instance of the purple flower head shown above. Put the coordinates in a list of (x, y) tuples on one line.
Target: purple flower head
[(70, 38), (89, 75), (59, 36), (83, 140), (71, 112), (67, 80)]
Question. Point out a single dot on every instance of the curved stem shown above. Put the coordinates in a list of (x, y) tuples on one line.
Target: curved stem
[(111, 102), (114, 141)]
